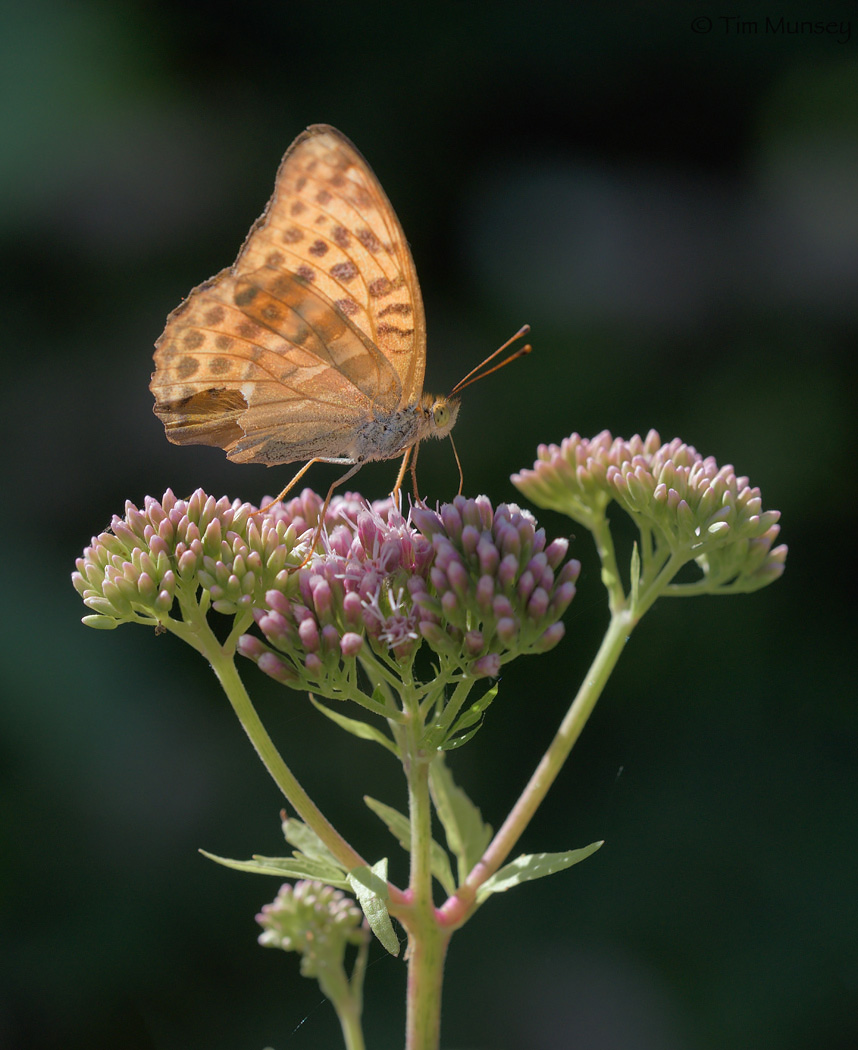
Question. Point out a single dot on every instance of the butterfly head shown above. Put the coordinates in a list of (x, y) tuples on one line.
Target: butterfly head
[(439, 413)]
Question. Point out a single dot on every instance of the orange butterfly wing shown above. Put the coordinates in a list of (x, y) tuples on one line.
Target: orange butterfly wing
[(318, 324)]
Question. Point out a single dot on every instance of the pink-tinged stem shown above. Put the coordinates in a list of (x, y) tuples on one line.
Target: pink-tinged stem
[(458, 908)]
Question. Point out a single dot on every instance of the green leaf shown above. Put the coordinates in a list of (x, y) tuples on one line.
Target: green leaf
[(466, 831), (369, 885), (286, 868), (635, 575), (355, 726), (306, 841), (472, 717), (477, 708), (453, 742), (532, 866), (381, 694), (400, 827), (446, 710)]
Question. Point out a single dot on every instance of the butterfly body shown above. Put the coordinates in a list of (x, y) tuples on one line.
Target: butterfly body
[(312, 345), (386, 436)]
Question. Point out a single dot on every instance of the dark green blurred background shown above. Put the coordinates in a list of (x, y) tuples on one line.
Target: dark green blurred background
[(675, 212)]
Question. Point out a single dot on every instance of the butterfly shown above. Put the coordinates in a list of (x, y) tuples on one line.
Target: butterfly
[(312, 345)]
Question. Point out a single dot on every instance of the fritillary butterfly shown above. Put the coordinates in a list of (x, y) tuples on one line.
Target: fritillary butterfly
[(312, 345)]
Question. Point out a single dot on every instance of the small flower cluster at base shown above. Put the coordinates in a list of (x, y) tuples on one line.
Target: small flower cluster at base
[(478, 585), (315, 920), (134, 571), (690, 504)]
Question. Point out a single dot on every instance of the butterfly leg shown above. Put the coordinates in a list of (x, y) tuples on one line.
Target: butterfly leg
[(414, 472), (297, 478), (402, 468), (321, 522)]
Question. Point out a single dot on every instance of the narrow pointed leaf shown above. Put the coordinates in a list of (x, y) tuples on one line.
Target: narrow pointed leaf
[(369, 885), (635, 575), (466, 831), (304, 839), (382, 694), (533, 866), (453, 742), (476, 711), (470, 722), (400, 827), (286, 868), (446, 712)]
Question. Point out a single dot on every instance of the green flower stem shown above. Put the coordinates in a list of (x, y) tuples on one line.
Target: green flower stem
[(378, 669), (459, 908), (601, 531), (195, 630), (358, 696), (427, 949), (242, 622), (379, 680), (227, 673), (653, 588), (427, 939), (359, 971), (452, 706), (349, 1015), (435, 696), (346, 1001)]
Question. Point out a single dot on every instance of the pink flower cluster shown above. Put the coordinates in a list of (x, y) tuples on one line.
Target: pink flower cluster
[(686, 501), (495, 589), (358, 585), (174, 547), (478, 585)]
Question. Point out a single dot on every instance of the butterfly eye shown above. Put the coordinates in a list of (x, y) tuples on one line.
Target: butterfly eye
[(440, 414)]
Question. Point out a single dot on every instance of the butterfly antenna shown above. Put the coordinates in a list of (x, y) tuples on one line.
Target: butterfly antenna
[(476, 373)]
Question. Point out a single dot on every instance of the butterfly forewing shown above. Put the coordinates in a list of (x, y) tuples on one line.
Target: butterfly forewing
[(317, 325), (282, 303), (332, 224)]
